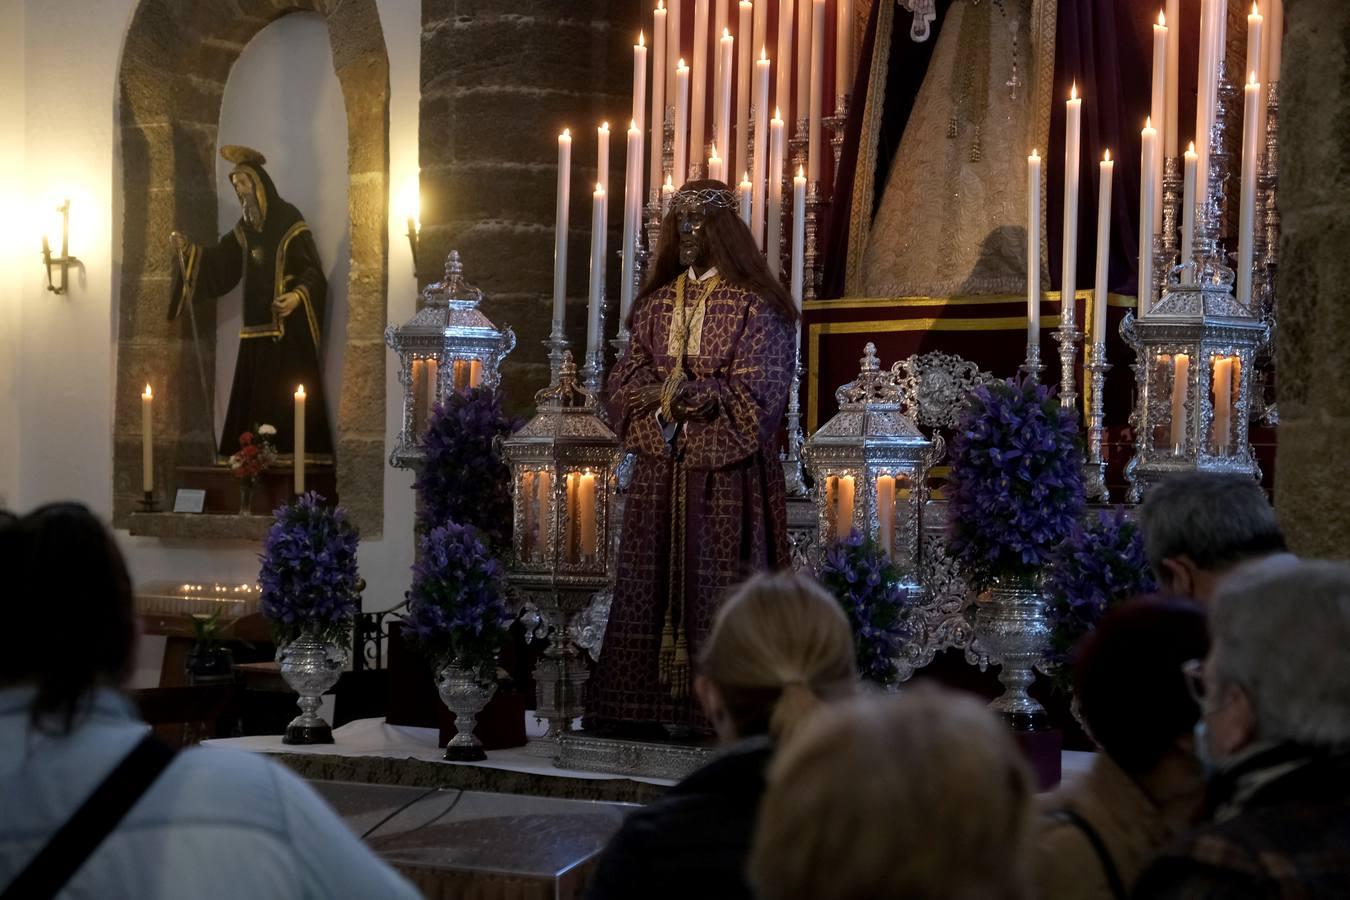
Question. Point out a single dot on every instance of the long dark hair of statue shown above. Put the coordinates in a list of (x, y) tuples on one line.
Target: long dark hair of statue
[(733, 251)]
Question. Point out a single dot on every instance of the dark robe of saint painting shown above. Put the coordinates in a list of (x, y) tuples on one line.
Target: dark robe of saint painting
[(272, 250), (698, 399)]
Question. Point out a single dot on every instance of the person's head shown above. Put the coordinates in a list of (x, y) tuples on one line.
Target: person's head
[(921, 795), (1278, 670), (1130, 683), (703, 229), (69, 581), (779, 646), (1201, 525)]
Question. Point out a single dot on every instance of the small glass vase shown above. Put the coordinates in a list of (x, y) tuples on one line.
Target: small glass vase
[(1011, 631), (465, 690), (246, 486), (311, 667)]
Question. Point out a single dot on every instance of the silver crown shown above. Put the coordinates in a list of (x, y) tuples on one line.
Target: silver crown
[(720, 198)]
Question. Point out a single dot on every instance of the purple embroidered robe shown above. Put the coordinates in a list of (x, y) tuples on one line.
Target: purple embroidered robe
[(735, 522)]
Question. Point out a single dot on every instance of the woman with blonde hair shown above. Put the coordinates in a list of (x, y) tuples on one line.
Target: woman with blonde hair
[(922, 795), (779, 648)]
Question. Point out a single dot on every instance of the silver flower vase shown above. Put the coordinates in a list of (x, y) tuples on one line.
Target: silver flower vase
[(1011, 632), (465, 691), (311, 666)]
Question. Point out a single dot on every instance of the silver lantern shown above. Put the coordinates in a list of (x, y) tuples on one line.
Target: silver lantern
[(563, 484), (449, 345), (870, 466)]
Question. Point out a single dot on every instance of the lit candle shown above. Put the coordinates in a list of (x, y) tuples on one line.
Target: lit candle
[(1099, 293), (475, 373), (773, 246), (658, 118), (586, 507), (1256, 64), (698, 83), (147, 440), (419, 391), (1173, 20), (761, 26), (460, 374), (560, 231), (802, 97), (1148, 175), (602, 155), (640, 81), (667, 193), (1251, 153), (843, 48), (1158, 110), (544, 497), (783, 74), (722, 117), (1188, 207), (739, 154), (632, 205), (1033, 249), (746, 189), (715, 165), (817, 90), (843, 505), (798, 236), (886, 513), (1224, 370), (1068, 281), (299, 446), (1181, 369), (759, 173), (431, 374), (681, 160), (597, 291)]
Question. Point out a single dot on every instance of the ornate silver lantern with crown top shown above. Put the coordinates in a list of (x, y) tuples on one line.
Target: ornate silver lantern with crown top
[(563, 483), (449, 345)]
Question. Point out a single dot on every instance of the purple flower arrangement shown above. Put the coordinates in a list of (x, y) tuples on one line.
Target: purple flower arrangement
[(1016, 487), (1099, 565), (463, 477), (457, 608), (309, 577), (867, 585)]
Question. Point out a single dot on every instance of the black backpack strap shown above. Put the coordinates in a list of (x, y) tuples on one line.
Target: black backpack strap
[(1109, 870), (76, 841)]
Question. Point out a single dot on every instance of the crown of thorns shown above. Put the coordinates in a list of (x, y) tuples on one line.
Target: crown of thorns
[(720, 198)]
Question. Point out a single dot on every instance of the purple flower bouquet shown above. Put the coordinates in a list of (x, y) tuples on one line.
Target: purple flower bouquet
[(867, 585), (309, 577), (1016, 487), (457, 608)]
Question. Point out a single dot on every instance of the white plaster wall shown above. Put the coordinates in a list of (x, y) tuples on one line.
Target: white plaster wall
[(18, 259), (64, 374)]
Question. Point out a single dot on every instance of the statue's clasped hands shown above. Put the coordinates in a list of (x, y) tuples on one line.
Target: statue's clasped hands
[(286, 303)]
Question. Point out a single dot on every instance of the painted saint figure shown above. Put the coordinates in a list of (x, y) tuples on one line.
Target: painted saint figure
[(272, 249), (699, 399)]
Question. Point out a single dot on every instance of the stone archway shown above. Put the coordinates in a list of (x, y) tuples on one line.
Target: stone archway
[(175, 61)]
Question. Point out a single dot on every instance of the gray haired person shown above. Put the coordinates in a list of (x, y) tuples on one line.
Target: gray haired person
[(1201, 526), (1275, 737)]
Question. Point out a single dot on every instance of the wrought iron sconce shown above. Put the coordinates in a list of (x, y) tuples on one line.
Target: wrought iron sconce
[(65, 260)]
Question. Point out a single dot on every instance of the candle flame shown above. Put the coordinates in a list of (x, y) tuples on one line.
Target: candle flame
[(670, 180), (1106, 157), (1073, 91), (1034, 154), (148, 393), (726, 33), (801, 173), (1191, 148), (714, 153), (642, 39), (599, 190), (661, 5), (300, 391), (1252, 81), (680, 65), (1255, 9), (1162, 19), (604, 126), (745, 176), (764, 54), (777, 114), (632, 125), (566, 133)]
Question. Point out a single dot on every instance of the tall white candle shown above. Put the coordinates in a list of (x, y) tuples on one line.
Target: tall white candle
[(680, 162), (602, 155), (719, 27), (147, 440), (298, 448), (739, 150), (1224, 370), (745, 191), (817, 98), (698, 84), (640, 81), (773, 245), (761, 25), (560, 230), (674, 53), (1273, 38), (597, 291), (722, 131), (843, 48), (782, 75), (1147, 177), (1034, 249), (1170, 134), (758, 161), (1158, 108), (632, 191), (1068, 280), (667, 194), (1251, 153), (1099, 288), (798, 236), (658, 116), (1207, 75), (1181, 384), (1189, 163), (802, 97), (1256, 64)]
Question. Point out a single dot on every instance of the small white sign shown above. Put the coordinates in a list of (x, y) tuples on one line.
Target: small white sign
[(189, 501)]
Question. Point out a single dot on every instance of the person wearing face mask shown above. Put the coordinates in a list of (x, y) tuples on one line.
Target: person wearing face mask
[(698, 399), (1202, 527), (272, 250), (1275, 735), (1145, 786)]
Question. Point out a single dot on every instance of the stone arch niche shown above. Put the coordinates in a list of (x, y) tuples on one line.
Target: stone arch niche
[(171, 81)]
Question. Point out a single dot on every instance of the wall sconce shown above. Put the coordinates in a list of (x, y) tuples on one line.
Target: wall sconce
[(411, 202), (65, 260)]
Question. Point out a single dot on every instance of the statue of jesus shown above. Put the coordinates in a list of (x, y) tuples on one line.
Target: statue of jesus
[(272, 249), (698, 398)]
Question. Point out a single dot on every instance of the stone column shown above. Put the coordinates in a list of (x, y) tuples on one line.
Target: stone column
[(1313, 466)]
